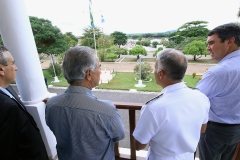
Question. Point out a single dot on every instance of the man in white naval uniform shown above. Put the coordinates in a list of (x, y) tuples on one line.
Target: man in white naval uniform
[(171, 123)]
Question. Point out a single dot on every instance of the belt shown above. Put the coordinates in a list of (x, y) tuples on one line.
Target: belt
[(222, 124)]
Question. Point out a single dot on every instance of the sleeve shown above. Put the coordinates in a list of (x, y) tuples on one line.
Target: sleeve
[(207, 111), (10, 123), (117, 127), (146, 127), (208, 85)]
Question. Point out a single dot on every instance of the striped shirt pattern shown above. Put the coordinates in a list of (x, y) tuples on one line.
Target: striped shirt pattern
[(84, 126)]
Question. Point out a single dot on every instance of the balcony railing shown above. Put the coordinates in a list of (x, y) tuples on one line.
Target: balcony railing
[(132, 107)]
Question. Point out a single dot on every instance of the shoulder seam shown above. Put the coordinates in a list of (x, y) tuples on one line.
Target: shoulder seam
[(153, 98)]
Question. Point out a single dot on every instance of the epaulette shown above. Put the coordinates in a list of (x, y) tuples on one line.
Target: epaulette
[(153, 98), (193, 88)]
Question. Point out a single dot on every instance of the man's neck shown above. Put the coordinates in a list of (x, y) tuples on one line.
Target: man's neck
[(3, 85), (170, 82), (83, 84)]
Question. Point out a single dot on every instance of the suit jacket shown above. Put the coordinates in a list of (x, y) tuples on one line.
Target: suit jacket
[(20, 138)]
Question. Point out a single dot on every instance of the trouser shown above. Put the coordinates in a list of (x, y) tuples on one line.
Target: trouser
[(219, 142)]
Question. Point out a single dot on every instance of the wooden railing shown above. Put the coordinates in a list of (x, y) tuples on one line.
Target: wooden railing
[(237, 153), (132, 107)]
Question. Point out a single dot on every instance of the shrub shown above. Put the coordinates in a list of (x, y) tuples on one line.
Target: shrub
[(199, 78), (146, 42), (117, 50), (101, 55), (156, 52), (139, 43), (194, 74), (146, 69), (57, 67), (112, 56), (155, 43)]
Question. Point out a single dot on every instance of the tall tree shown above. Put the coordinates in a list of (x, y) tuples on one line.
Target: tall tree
[(146, 70), (120, 38), (138, 50), (118, 51), (188, 30), (48, 38), (70, 39), (71, 35), (194, 29), (71, 42), (196, 48), (105, 41), (88, 36), (188, 40)]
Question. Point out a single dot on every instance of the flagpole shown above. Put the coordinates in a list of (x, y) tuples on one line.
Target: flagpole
[(92, 24), (94, 40), (102, 20)]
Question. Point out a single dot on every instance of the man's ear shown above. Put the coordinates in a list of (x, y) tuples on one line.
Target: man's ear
[(231, 41), (88, 75), (2, 70), (160, 74)]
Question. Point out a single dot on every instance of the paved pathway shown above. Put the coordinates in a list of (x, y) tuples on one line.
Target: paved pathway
[(199, 68), (129, 66)]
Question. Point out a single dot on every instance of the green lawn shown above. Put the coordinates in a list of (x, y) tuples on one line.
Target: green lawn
[(63, 82), (124, 81), (142, 59), (205, 61)]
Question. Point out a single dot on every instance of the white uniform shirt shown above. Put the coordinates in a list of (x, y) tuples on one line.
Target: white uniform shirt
[(172, 122)]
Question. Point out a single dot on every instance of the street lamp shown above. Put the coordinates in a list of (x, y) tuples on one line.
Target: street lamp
[(140, 67), (140, 79)]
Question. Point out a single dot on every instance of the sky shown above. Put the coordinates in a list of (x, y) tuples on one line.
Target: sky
[(133, 16)]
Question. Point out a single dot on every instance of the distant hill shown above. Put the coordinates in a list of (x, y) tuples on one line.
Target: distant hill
[(152, 33)]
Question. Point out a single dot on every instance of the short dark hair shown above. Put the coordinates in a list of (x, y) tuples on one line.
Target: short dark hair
[(3, 57), (173, 62), (227, 31)]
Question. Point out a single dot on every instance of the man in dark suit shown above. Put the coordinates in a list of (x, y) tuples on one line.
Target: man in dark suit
[(20, 138)]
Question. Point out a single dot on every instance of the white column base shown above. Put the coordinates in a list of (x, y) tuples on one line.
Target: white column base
[(38, 113), (55, 80)]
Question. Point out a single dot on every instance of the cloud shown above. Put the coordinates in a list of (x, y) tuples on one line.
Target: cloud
[(132, 16)]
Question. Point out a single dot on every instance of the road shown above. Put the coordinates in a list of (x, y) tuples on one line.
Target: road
[(199, 68)]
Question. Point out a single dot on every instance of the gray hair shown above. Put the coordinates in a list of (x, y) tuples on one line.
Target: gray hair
[(173, 62), (77, 61), (3, 57)]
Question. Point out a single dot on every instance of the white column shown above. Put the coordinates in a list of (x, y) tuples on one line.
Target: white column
[(17, 36)]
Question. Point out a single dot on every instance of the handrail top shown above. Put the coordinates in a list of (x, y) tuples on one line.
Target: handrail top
[(128, 105)]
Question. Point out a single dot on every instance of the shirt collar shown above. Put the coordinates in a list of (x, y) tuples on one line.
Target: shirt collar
[(173, 87), (233, 54), (80, 90), (6, 92)]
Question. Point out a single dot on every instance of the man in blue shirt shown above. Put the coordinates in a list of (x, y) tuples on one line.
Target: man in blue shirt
[(221, 85), (85, 127)]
